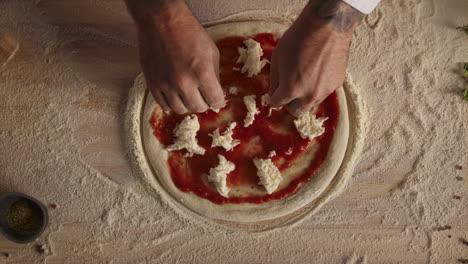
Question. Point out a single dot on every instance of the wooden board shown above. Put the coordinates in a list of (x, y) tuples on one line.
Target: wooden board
[(107, 55)]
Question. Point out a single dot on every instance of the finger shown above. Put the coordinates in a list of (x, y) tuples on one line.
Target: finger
[(161, 100), (283, 95), (274, 76), (156, 93), (301, 106), (175, 102), (273, 82), (216, 65), (212, 92), (193, 101)]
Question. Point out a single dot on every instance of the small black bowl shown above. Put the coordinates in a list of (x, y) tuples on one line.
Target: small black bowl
[(7, 200)]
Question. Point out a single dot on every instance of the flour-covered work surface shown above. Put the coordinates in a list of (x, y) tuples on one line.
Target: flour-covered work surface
[(63, 141)]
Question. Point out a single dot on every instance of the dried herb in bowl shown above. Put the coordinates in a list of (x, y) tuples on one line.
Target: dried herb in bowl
[(24, 217)]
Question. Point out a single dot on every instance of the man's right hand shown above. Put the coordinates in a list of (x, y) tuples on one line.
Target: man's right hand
[(179, 60)]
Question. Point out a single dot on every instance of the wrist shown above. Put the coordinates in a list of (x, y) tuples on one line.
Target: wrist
[(334, 16), (173, 17), (154, 12)]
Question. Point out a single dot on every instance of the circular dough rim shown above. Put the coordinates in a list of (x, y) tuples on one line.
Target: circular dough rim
[(243, 212)]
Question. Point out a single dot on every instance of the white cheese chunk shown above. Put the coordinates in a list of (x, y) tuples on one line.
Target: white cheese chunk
[(269, 174), (219, 174), (216, 110), (251, 57), (233, 90), (289, 152), (265, 100), (226, 141), (270, 111), (185, 134), (251, 105), (272, 154), (309, 126)]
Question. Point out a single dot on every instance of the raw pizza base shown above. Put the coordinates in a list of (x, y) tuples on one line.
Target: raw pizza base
[(157, 155)]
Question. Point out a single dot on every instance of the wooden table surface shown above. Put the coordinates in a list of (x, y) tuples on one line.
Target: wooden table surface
[(98, 40)]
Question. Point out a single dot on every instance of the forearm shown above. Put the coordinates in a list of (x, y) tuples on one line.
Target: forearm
[(332, 16), (144, 11), (342, 16)]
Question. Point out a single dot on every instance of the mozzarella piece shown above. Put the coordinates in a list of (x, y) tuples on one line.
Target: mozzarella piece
[(289, 152), (219, 174), (216, 110), (270, 111), (265, 100), (251, 57), (233, 90), (309, 126), (226, 141), (269, 174), (251, 105), (185, 134), (272, 154)]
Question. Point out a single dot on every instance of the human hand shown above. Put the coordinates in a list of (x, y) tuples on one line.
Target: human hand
[(310, 61), (179, 60)]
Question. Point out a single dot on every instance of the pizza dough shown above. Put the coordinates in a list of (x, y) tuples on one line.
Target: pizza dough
[(157, 156)]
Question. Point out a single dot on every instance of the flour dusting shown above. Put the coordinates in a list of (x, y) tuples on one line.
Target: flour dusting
[(63, 141)]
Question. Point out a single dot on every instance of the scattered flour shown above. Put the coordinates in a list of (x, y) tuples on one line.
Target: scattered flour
[(61, 130)]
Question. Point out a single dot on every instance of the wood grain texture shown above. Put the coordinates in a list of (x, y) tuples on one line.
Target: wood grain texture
[(99, 41)]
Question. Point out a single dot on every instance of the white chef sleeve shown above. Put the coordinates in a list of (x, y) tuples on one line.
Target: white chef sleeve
[(364, 6)]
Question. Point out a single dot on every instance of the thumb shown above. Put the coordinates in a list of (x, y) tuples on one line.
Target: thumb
[(300, 106), (273, 81), (283, 95), (274, 76)]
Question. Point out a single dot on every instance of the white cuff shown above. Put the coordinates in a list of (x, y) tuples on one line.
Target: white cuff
[(364, 6)]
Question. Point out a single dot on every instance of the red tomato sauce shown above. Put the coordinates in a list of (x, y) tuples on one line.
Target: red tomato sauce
[(276, 132)]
